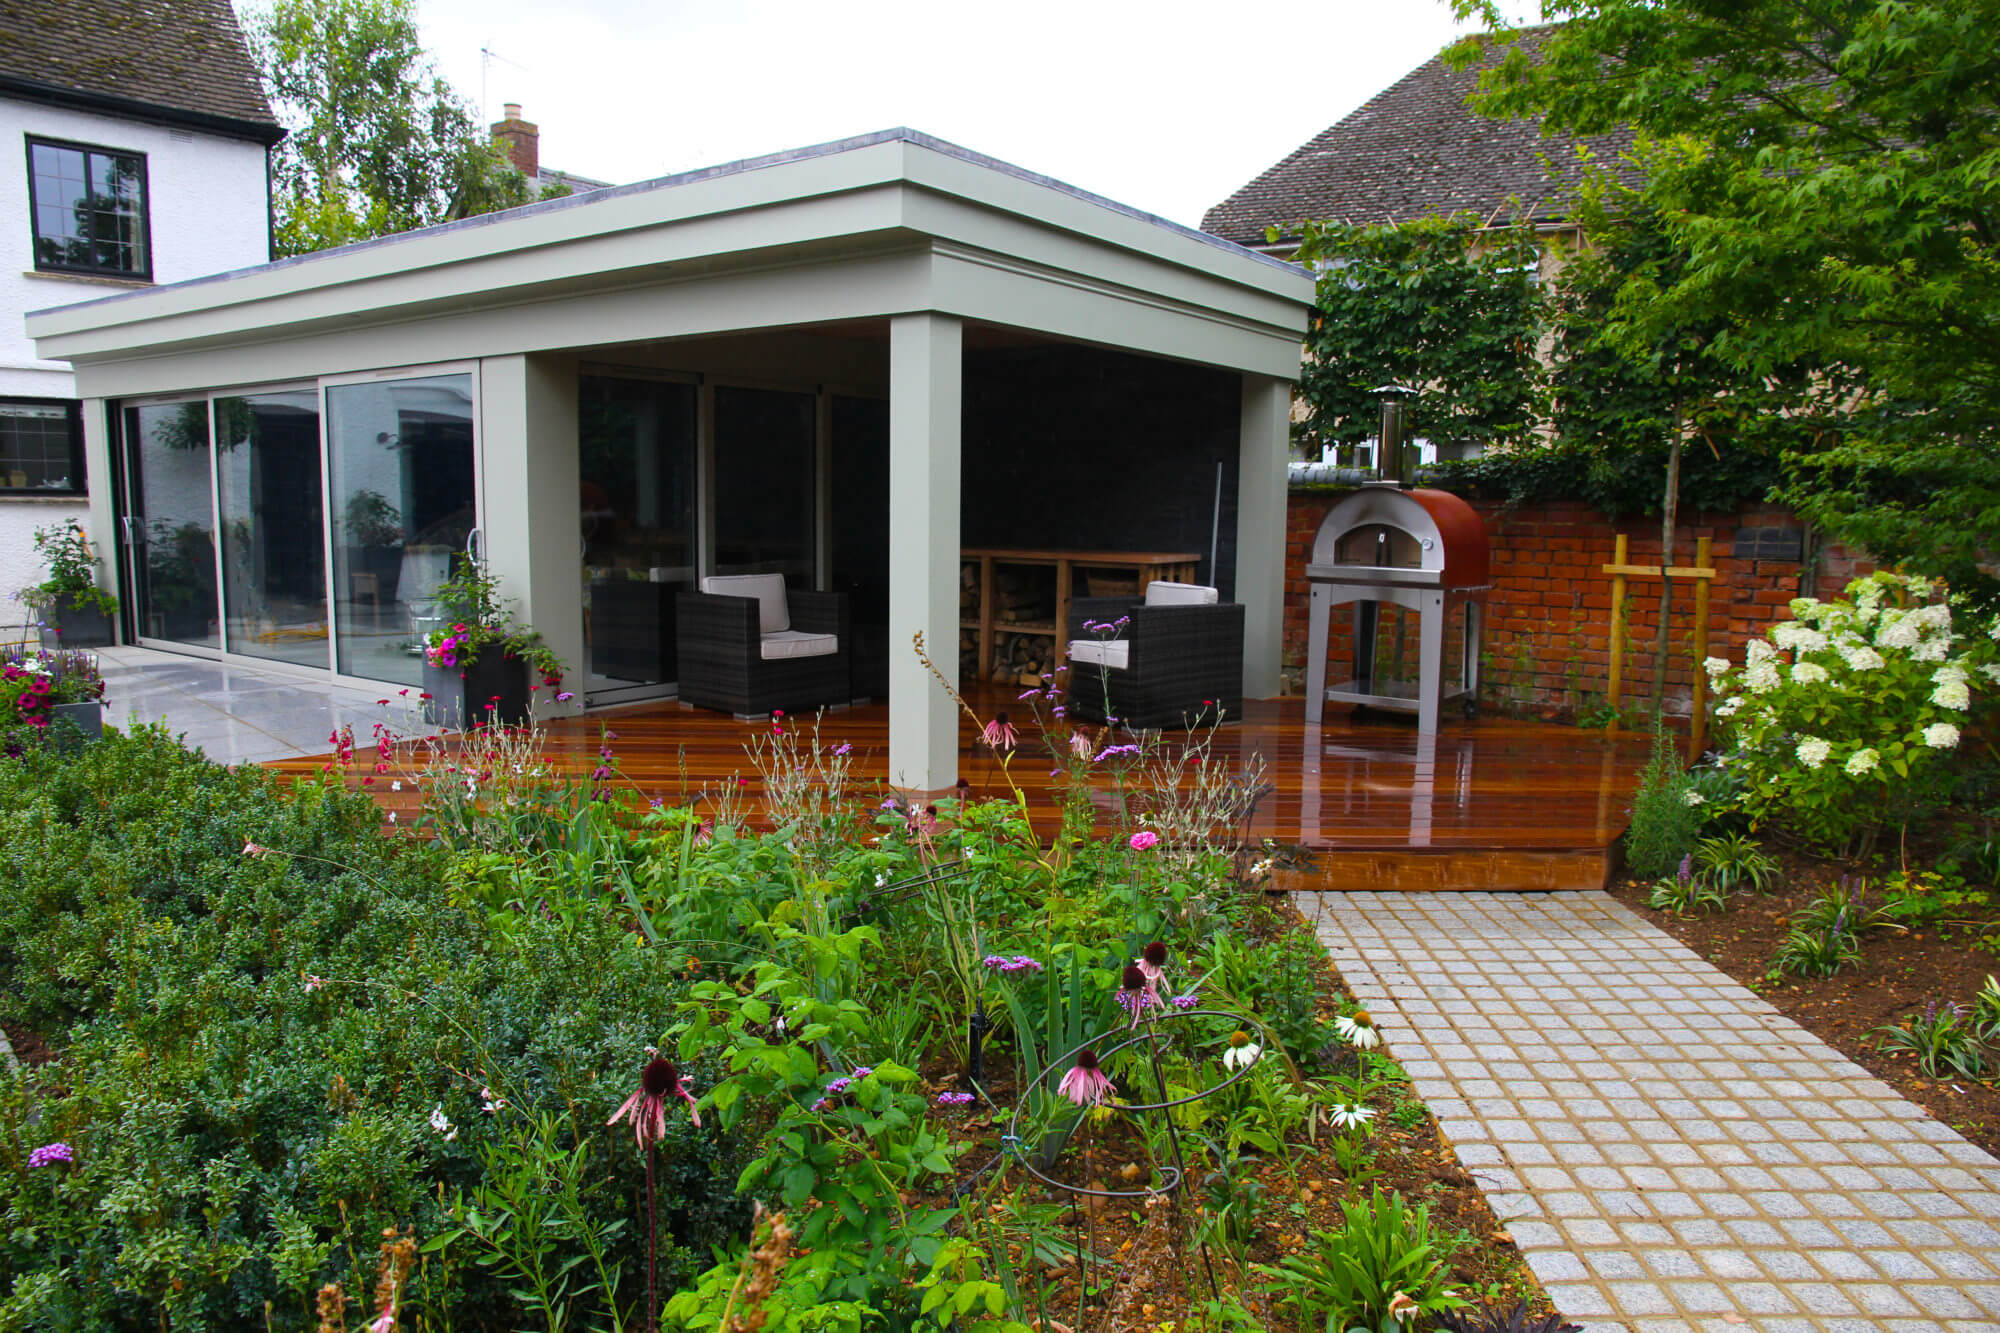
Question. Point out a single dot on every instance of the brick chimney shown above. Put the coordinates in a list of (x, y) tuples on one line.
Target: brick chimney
[(522, 139)]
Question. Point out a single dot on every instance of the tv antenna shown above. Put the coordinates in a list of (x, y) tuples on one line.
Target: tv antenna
[(487, 55)]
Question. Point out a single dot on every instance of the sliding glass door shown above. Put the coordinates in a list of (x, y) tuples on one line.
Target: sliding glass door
[(170, 524), (273, 544), (227, 531), (637, 443), (405, 503)]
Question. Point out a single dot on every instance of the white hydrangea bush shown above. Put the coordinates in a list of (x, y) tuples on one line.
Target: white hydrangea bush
[(1847, 712)]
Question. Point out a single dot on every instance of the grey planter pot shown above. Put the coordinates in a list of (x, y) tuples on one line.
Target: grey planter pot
[(87, 718), (493, 690), (66, 625)]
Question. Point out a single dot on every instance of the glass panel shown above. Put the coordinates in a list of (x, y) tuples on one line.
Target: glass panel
[(637, 452), (173, 504), (273, 541), (37, 447), (858, 514), (401, 459), (764, 484)]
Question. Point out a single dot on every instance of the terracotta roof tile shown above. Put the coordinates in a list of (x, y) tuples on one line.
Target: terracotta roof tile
[(1414, 149), (176, 55)]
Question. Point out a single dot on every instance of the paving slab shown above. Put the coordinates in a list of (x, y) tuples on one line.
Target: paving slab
[(1668, 1150)]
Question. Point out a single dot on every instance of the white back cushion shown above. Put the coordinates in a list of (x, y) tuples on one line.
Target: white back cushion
[(1162, 593), (773, 615), (1113, 653)]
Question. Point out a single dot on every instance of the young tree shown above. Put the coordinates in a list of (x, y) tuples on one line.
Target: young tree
[(1829, 170), (1441, 305), (378, 141), (1637, 397)]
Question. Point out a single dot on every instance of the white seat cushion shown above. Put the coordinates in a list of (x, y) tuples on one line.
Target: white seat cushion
[(796, 643), (1162, 593), (774, 615), (1114, 653)]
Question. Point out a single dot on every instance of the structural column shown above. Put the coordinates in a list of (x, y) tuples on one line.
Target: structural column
[(106, 532), (532, 529), (1263, 451), (926, 378)]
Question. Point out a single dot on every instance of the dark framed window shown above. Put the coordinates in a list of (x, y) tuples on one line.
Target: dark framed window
[(88, 209), (41, 446)]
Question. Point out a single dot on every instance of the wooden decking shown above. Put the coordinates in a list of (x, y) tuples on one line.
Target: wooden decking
[(1492, 804)]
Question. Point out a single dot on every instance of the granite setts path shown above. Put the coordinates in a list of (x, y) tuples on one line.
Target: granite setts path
[(1670, 1153)]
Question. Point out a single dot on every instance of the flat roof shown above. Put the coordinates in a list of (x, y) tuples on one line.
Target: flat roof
[(598, 198)]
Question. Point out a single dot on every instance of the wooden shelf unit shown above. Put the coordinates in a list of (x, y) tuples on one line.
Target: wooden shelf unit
[(1145, 566)]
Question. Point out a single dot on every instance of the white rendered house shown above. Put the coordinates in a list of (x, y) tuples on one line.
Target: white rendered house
[(842, 364), (133, 142)]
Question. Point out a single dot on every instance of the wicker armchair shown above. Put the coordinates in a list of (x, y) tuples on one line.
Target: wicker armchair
[(1168, 667), (733, 660)]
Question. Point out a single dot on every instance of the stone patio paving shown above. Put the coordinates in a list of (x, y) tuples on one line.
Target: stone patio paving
[(236, 714), (1670, 1153)]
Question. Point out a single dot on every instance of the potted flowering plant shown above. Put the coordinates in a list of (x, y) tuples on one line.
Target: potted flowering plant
[(41, 690), (476, 668), (72, 610)]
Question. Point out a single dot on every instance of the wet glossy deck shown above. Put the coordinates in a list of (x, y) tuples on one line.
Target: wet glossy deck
[(1492, 804)]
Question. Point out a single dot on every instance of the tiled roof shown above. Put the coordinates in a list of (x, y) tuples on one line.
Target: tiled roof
[(174, 56), (1414, 149)]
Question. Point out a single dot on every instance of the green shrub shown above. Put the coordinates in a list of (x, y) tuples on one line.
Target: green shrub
[(1845, 719), (1349, 1277), (1733, 862), (1664, 820), (267, 1059)]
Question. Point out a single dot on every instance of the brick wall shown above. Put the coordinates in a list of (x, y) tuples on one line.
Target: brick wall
[(1547, 638)]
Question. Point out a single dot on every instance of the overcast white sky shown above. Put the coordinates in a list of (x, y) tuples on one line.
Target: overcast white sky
[(1167, 106)]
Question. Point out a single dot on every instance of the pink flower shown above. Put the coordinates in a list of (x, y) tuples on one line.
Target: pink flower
[(384, 1322), (647, 1106), (1085, 1084), (1152, 965), (1080, 746), (1000, 733), (1145, 840), (1136, 993), (314, 981), (255, 849)]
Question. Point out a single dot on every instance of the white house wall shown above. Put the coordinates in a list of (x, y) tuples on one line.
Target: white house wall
[(206, 212)]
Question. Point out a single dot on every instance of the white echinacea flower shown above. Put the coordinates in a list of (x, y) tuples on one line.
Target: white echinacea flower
[(1242, 1052), (1813, 751), (1359, 1030), (1941, 736), (1862, 762), (1349, 1117)]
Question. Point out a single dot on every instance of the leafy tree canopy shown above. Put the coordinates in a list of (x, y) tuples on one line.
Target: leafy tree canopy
[(379, 142), (1831, 173)]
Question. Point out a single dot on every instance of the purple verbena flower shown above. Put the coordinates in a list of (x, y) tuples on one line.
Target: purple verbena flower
[(954, 1099), (49, 1154), (838, 1086)]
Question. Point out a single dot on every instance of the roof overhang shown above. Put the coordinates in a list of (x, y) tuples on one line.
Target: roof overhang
[(131, 108), (884, 224)]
